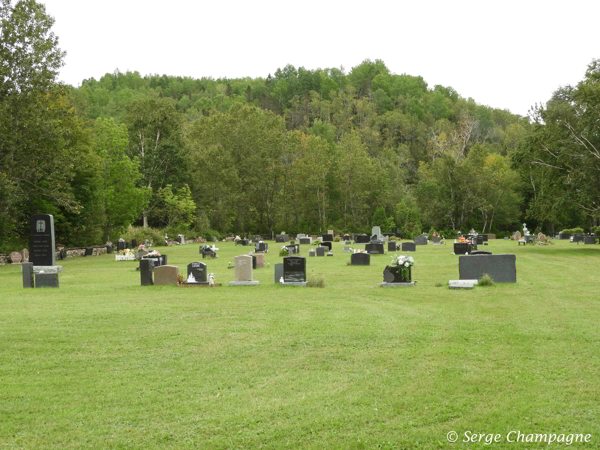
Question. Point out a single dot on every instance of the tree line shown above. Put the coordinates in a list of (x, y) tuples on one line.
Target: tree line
[(300, 150)]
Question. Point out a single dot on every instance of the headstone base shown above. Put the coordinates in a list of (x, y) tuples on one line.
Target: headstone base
[(295, 283), (204, 283), (244, 283), (412, 283), (46, 280)]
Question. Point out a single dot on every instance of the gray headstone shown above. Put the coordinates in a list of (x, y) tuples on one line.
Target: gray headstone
[(278, 272), (409, 247), (46, 280), (420, 240), (329, 245), (589, 240), (462, 248), (391, 246), (501, 268), (305, 240), (321, 251), (41, 240), (243, 267), (375, 248), (28, 275), (362, 239)]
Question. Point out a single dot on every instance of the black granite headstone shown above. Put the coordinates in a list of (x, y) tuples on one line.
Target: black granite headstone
[(395, 274), (279, 238), (41, 240), (360, 259), (146, 265), (462, 248), (589, 240), (328, 244), (501, 268), (89, 251), (305, 241), (362, 239), (391, 246), (479, 239), (294, 269), (328, 238), (134, 243), (46, 280), (198, 271), (109, 249), (321, 251)]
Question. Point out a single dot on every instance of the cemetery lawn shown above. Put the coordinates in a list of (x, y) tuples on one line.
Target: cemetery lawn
[(103, 363)]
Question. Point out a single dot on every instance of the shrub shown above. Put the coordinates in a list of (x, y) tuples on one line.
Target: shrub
[(210, 233), (140, 234), (283, 252), (180, 278), (336, 239), (595, 230), (485, 280), (577, 230), (316, 281)]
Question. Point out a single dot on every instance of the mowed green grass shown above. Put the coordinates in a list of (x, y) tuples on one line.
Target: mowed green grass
[(103, 363)]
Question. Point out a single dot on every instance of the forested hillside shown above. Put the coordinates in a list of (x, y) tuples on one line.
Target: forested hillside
[(298, 150)]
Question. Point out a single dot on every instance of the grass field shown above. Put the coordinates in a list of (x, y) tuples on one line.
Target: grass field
[(103, 363)]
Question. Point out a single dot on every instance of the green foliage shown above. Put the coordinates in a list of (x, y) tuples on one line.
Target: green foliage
[(283, 252), (485, 280), (379, 218), (176, 208), (577, 230), (140, 234)]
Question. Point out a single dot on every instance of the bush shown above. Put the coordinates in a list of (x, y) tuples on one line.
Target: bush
[(577, 230), (316, 281), (485, 280), (595, 230), (283, 252), (336, 239), (210, 233), (140, 234)]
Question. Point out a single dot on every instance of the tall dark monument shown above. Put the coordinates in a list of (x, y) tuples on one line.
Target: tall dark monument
[(41, 240)]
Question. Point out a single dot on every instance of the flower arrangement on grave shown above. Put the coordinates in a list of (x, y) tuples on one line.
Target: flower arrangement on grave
[(284, 251), (153, 253), (141, 247), (403, 264), (127, 251)]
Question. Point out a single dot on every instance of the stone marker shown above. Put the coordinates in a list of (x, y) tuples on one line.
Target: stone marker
[(294, 271), (89, 251), (196, 273), (376, 232), (243, 271), (330, 232), (166, 275), (41, 240), (329, 245), (517, 235), (375, 248), (321, 251), (587, 240), (360, 259), (346, 249), (462, 248), (28, 275), (328, 238), (261, 247), (394, 276), (278, 272), (409, 247), (146, 266), (16, 257), (305, 240), (480, 252), (501, 268), (392, 246), (420, 240), (312, 253), (260, 261), (25, 255), (462, 284), (362, 239), (47, 280)]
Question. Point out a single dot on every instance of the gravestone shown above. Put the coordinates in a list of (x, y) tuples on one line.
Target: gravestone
[(47, 280), (479, 239), (462, 248), (486, 238), (166, 275), (394, 276), (462, 284), (360, 259), (564, 236), (346, 237), (328, 238), (321, 251), (330, 232), (15, 257), (329, 245), (409, 247), (436, 239), (89, 251), (312, 253), (146, 266), (420, 240), (395, 231), (181, 239), (41, 240), (362, 239), (133, 243), (294, 270), (392, 246), (260, 261), (480, 252), (121, 245), (376, 231), (28, 281), (518, 235), (62, 254), (587, 240), (279, 238), (140, 254), (109, 249), (243, 271), (501, 268), (196, 273), (305, 240), (253, 261), (346, 249), (278, 272), (25, 254), (261, 247), (375, 248)]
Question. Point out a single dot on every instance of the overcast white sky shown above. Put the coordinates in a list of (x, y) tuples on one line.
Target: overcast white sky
[(506, 54)]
